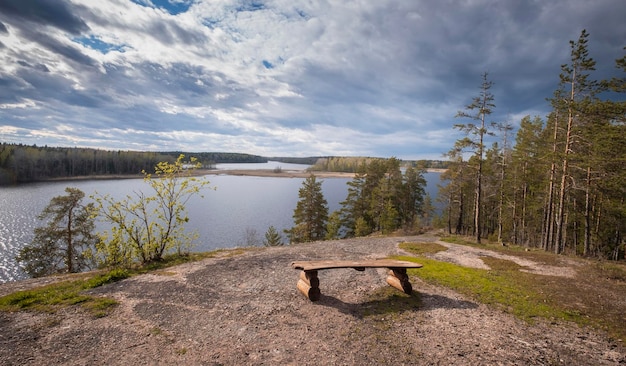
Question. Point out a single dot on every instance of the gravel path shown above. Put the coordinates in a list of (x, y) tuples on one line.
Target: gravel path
[(245, 309)]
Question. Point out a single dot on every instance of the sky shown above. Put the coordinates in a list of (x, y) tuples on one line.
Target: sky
[(297, 78)]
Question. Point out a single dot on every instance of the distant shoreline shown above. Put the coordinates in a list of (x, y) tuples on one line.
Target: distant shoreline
[(234, 172)]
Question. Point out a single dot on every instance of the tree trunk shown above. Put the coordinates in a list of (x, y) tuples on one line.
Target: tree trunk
[(587, 214)]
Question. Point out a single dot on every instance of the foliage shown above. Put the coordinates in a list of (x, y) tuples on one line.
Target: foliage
[(64, 244), (560, 187), (20, 163), (382, 199), (352, 164), (333, 226), (146, 227), (310, 214), (272, 238)]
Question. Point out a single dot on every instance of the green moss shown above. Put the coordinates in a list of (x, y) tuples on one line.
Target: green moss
[(528, 296), (50, 298), (506, 287)]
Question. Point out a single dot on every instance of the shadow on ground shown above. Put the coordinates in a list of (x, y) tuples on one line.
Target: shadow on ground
[(388, 302)]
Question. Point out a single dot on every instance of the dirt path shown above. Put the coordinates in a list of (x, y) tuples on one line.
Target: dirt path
[(246, 310)]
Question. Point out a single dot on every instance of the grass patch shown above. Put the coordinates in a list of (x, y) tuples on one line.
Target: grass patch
[(488, 287), (50, 298), (594, 297)]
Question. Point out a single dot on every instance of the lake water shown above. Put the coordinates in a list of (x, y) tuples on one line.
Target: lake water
[(238, 212)]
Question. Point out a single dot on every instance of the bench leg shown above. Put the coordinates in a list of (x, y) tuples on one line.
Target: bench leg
[(399, 279), (309, 285)]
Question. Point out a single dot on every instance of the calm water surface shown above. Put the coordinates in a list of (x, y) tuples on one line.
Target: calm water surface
[(239, 211)]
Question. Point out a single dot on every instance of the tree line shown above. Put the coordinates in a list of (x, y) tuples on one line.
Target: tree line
[(22, 163), (351, 164), (560, 187), (381, 199)]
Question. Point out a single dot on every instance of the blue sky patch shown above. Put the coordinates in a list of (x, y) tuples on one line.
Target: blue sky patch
[(174, 7), (99, 45)]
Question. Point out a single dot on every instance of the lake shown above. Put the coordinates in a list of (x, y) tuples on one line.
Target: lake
[(237, 213)]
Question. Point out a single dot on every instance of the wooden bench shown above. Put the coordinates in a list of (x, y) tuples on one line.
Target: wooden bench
[(309, 283)]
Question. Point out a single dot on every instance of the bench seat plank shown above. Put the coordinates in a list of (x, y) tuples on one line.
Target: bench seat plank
[(372, 263)]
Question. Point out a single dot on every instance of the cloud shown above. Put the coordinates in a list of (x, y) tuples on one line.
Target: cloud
[(58, 14), (283, 77)]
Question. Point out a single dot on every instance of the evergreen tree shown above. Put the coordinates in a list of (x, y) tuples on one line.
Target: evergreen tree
[(272, 238), (477, 111), (582, 89), (411, 200), (333, 226), (354, 207), (528, 165), (311, 213), (66, 242)]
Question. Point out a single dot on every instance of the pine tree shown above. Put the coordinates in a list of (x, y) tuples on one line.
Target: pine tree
[(65, 243), (411, 200), (478, 111), (528, 180), (310, 214), (574, 76), (333, 226), (272, 238)]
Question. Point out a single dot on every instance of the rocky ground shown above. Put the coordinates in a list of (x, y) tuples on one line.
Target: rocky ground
[(245, 309)]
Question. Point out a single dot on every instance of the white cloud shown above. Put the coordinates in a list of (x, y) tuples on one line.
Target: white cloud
[(286, 77)]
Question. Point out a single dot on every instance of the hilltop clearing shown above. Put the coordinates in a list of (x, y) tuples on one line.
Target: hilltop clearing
[(245, 309)]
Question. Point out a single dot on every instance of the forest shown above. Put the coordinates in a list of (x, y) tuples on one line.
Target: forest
[(22, 164), (560, 186)]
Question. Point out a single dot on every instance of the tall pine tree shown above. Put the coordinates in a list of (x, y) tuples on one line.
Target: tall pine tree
[(477, 111)]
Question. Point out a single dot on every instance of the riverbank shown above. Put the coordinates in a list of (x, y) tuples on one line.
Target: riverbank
[(245, 309)]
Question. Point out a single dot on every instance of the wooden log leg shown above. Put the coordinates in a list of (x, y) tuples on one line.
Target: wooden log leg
[(308, 284), (399, 279)]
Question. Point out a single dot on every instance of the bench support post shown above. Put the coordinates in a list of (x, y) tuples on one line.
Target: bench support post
[(399, 279), (309, 285)]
